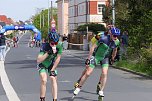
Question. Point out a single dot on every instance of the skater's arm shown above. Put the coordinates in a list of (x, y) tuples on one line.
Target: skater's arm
[(42, 57), (91, 50), (56, 62), (114, 53)]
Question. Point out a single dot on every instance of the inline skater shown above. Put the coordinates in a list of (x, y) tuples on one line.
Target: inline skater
[(94, 40), (48, 60), (100, 53)]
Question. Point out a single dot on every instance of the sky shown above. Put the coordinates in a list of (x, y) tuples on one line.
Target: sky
[(23, 9)]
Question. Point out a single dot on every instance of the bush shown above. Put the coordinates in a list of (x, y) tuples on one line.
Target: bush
[(91, 27), (147, 56)]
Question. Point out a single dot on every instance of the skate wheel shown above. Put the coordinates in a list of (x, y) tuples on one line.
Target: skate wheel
[(100, 98)]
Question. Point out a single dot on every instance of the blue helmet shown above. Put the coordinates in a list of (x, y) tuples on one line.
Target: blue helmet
[(53, 36), (115, 31)]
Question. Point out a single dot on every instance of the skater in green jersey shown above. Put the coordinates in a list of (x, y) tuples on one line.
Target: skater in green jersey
[(48, 60), (99, 54)]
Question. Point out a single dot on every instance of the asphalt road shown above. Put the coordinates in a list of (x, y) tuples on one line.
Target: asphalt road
[(20, 67)]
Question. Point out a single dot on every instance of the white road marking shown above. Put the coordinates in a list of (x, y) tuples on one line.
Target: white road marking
[(10, 92)]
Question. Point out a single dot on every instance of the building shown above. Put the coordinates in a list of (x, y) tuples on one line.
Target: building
[(62, 6), (6, 21), (2, 24), (79, 12), (85, 11)]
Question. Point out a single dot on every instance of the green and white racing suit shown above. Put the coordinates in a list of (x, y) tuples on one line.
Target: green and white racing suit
[(103, 51), (47, 64)]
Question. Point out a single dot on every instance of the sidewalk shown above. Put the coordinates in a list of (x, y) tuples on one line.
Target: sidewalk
[(77, 53), (84, 54)]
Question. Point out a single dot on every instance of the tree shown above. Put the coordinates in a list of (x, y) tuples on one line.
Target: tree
[(135, 16), (36, 21)]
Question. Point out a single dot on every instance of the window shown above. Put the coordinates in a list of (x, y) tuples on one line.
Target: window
[(79, 10), (101, 8)]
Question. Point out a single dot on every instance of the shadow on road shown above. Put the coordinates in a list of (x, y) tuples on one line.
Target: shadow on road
[(78, 98), (22, 62)]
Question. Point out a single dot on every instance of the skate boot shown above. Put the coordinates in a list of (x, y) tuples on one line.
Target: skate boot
[(42, 98), (76, 84), (54, 99), (101, 95), (75, 92)]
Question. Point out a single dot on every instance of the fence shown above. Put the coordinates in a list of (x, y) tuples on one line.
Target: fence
[(79, 41)]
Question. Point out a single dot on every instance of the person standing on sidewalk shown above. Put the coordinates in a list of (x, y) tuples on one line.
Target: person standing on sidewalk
[(48, 60), (100, 53), (65, 42), (124, 43)]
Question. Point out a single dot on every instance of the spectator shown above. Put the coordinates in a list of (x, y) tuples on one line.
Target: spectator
[(124, 42), (15, 41), (2, 47), (65, 43), (44, 41)]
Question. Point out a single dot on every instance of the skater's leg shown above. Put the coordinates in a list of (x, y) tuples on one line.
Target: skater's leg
[(86, 75), (90, 65), (103, 78), (83, 79), (84, 71), (43, 77), (54, 87)]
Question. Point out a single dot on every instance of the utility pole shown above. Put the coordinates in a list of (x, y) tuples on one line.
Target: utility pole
[(87, 33), (113, 12), (51, 11), (86, 12), (48, 16), (43, 17), (62, 17), (39, 11), (40, 20)]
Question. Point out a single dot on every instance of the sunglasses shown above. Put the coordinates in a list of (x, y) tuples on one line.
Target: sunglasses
[(53, 43), (97, 37)]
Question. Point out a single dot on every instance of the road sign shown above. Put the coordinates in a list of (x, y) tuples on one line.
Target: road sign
[(53, 25)]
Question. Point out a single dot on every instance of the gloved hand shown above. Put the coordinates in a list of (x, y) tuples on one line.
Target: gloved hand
[(87, 62), (46, 47), (49, 52), (111, 61), (53, 73)]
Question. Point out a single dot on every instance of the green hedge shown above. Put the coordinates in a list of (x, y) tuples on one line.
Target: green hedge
[(138, 60)]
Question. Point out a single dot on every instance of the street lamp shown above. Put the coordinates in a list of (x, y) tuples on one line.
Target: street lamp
[(43, 17), (48, 15), (40, 20), (113, 12), (62, 17), (39, 10)]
